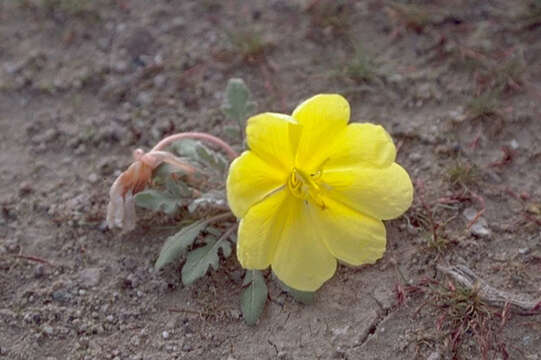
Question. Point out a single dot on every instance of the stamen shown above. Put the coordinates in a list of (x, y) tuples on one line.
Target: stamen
[(306, 187)]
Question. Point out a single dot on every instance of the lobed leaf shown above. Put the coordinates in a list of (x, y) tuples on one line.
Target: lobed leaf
[(156, 200), (200, 154), (212, 159), (177, 244), (199, 260), (254, 296), (213, 198)]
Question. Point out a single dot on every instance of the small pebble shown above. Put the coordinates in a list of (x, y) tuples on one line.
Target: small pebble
[(12, 245), (93, 178), (415, 157), (434, 356), (89, 277), (25, 188), (39, 270), (48, 330), (165, 335)]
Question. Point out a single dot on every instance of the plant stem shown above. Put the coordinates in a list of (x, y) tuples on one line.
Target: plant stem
[(232, 154), (219, 217)]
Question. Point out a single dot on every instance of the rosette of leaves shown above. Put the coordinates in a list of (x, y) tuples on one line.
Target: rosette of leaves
[(209, 230)]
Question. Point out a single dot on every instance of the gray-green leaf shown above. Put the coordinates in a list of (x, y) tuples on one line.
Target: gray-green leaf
[(254, 296), (212, 159), (178, 243), (237, 105), (304, 297), (199, 260), (158, 201), (213, 198)]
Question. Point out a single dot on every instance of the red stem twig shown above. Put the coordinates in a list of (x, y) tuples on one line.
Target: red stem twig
[(232, 154)]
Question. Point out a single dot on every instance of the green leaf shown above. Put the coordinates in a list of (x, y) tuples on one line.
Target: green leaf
[(185, 148), (177, 189), (156, 200), (233, 132), (199, 260), (254, 296), (200, 154), (304, 297), (163, 171), (177, 244), (213, 198), (212, 159), (237, 105)]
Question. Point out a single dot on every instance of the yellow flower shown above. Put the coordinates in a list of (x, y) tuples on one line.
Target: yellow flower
[(313, 189)]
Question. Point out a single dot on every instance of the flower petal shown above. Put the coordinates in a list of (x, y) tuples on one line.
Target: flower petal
[(302, 261), (366, 144), (383, 193), (259, 231), (350, 236), (320, 116), (250, 180), (273, 137), (277, 231)]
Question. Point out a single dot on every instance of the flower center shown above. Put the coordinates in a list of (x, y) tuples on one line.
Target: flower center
[(306, 186)]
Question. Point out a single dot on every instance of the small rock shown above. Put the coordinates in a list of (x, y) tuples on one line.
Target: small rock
[(469, 213), (165, 335), (48, 330), (131, 281), (235, 314), (514, 144), (12, 245), (144, 98), (120, 66), (61, 296), (480, 227), (159, 81), (135, 340), (176, 24), (396, 78), (93, 178), (458, 115), (434, 356), (89, 277), (25, 188), (39, 270), (523, 251), (415, 157)]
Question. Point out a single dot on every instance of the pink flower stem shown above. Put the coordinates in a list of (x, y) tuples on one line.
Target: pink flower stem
[(232, 154)]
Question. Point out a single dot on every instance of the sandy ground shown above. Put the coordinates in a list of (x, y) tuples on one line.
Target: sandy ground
[(83, 83)]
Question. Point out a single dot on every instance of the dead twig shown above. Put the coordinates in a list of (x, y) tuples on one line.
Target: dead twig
[(518, 303)]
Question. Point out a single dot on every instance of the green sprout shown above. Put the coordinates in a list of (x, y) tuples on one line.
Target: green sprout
[(361, 67)]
